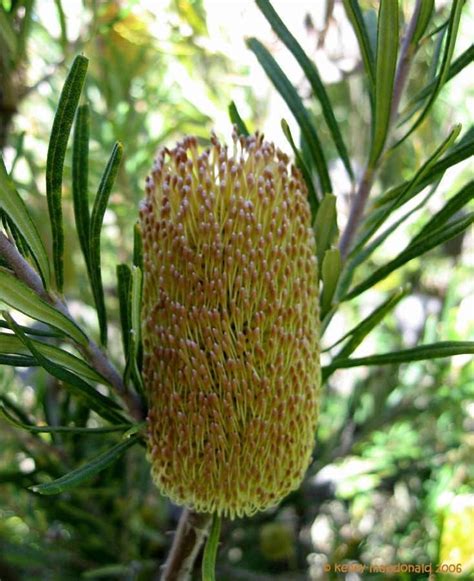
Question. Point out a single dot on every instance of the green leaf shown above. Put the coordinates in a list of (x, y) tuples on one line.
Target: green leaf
[(325, 225), (330, 272), (34, 332), (80, 173), (386, 63), (455, 68), (98, 211), (86, 471), (413, 250), (17, 360), (312, 74), (363, 254), (124, 289), (355, 17), (131, 368), (453, 205), (421, 353), (360, 331), (15, 208), (210, 550), (102, 405), (377, 218), (58, 429), (292, 99), (137, 246), (237, 120), (10, 344), (452, 32), (20, 297), (55, 161), (424, 17), (312, 196)]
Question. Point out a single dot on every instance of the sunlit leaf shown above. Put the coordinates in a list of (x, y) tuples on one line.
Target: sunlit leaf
[(20, 297), (62, 124), (15, 208), (292, 99), (325, 225), (386, 62), (424, 17), (312, 74), (132, 368), (330, 271), (90, 469)]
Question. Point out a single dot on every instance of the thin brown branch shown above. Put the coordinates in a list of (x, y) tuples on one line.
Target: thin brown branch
[(92, 351), (192, 530)]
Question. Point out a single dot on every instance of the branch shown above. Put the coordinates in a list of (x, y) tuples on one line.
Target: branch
[(192, 530), (91, 352), (360, 198)]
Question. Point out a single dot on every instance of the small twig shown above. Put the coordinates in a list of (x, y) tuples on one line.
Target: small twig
[(91, 352), (192, 530), (362, 194)]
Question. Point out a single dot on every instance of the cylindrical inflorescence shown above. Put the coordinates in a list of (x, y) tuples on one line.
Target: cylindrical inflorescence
[(230, 325)]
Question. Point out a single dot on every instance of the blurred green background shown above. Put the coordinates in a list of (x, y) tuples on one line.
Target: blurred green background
[(392, 478)]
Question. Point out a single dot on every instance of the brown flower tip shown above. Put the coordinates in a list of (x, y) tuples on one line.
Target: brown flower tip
[(230, 325)]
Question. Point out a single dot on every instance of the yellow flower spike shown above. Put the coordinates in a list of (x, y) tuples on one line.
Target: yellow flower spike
[(230, 325)]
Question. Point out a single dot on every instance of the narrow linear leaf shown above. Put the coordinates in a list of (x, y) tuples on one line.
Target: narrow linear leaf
[(325, 225), (330, 272), (58, 429), (11, 344), (312, 196), (451, 35), (80, 173), (237, 120), (137, 246), (34, 332), (20, 297), (98, 211), (455, 68), (419, 247), (131, 367), (360, 331), (104, 406), (17, 360), (363, 254), (90, 469), (210, 550), (15, 208), (62, 124), (378, 217), (424, 17), (310, 70), (453, 205), (355, 17), (421, 353), (292, 99), (124, 289), (386, 63)]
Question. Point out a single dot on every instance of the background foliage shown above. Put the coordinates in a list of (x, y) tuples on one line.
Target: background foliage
[(391, 478)]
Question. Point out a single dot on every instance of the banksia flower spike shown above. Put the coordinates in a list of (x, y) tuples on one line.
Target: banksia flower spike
[(230, 325)]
